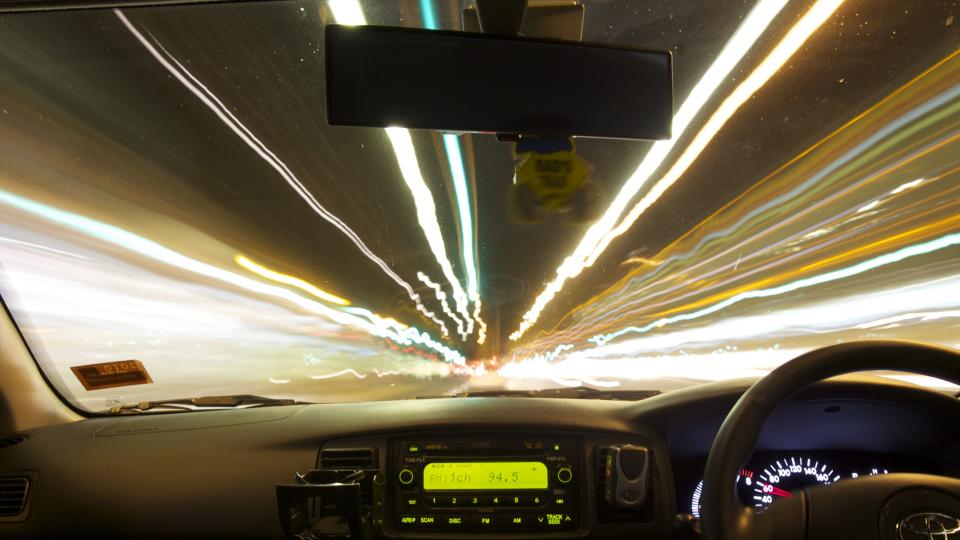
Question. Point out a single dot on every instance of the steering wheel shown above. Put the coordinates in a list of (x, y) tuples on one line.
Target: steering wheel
[(887, 507)]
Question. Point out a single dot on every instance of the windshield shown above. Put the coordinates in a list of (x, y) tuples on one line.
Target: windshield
[(172, 194)]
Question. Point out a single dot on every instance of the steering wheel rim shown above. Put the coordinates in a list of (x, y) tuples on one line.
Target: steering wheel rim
[(724, 517)]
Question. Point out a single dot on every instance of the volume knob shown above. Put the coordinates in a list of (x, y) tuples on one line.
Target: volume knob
[(564, 474)]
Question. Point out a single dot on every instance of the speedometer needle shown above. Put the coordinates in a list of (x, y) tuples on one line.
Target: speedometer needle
[(774, 490)]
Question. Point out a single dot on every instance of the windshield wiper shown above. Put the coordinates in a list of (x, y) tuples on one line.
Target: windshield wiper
[(575, 392), (238, 401)]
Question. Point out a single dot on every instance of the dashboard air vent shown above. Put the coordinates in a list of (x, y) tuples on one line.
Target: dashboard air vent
[(13, 495), (6, 442), (349, 459)]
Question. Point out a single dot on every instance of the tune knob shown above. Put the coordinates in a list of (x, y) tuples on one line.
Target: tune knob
[(405, 476)]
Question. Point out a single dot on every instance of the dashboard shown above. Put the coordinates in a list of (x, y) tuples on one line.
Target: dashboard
[(459, 467), (772, 475)]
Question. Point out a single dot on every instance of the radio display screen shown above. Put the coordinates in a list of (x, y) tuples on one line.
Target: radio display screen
[(484, 475)]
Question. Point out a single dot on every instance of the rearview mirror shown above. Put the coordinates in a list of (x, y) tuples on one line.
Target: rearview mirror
[(456, 81)]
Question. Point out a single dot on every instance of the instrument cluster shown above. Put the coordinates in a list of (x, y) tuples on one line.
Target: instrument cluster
[(771, 476)]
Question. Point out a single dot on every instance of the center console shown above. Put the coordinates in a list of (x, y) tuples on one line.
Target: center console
[(474, 484), (520, 484)]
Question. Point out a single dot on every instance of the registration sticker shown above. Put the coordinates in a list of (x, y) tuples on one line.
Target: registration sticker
[(112, 374)]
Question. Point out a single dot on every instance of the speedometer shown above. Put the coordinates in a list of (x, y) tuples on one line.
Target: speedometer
[(782, 477), (744, 482)]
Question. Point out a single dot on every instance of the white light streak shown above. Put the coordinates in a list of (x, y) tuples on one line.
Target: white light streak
[(340, 373), (462, 194), (452, 146), (350, 12), (789, 45), (347, 12), (915, 250), (444, 305), (869, 206), (227, 117), (739, 44), (907, 185), (427, 214), (373, 325), (38, 246)]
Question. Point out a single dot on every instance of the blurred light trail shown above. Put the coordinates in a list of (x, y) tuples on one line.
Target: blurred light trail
[(38, 246), (642, 261), (313, 290), (891, 322), (147, 248), (340, 373), (574, 371), (290, 280), (797, 192), (464, 212), (427, 214), (347, 12), (482, 330), (467, 237), (733, 51), (421, 370), (754, 290), (658, 370), (402, 145), (791, 43), (764, 224), (908, 185), (890, 258), (429, 17), (173, 66), (444, 305), (840, 314), (812, 266)]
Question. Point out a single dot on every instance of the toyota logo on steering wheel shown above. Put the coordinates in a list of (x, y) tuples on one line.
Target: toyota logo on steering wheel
[(929, 526)]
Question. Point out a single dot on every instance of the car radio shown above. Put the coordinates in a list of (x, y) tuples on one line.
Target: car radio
[(500, 484)]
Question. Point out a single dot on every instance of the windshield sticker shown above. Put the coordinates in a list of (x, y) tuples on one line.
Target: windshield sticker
[(112, 374)]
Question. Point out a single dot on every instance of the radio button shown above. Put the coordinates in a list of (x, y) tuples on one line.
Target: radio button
[(535, 500), (485, 521), (516, 500), (408, 521), (425, 521), (492, 500), (472, 500), (433, 500), (515, 521), (454, 521), (558, 520)]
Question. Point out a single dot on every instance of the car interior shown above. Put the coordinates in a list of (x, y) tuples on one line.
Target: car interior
[(442, 269)]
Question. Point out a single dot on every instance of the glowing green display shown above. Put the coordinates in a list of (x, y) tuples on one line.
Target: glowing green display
[(485, 475)]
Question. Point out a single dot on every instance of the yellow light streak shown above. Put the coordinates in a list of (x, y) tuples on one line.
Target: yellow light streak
[(306, 286)]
